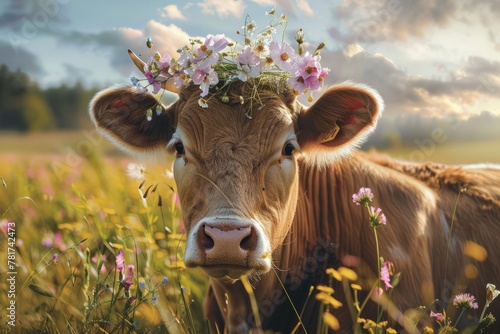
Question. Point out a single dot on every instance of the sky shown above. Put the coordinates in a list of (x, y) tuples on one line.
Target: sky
[(434, 58)]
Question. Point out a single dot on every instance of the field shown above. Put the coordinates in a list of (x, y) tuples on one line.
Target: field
[(70, 212), (73, 203)]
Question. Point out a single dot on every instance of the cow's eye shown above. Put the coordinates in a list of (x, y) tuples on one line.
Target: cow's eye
[(179, 148), (288, 149)]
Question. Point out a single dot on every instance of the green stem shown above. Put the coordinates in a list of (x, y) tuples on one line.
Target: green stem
[(484, 311), (449, 234), (459, 316), (379, 314)]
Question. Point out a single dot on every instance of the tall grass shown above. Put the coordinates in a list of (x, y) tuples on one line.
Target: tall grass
[(69, 225)]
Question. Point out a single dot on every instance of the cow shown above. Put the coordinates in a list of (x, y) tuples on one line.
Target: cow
[(268, 198)]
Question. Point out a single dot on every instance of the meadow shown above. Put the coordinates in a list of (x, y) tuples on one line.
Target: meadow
[(73, 205), (72, 210)]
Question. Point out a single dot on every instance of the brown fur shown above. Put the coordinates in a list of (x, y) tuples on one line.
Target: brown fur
[(233, 166)]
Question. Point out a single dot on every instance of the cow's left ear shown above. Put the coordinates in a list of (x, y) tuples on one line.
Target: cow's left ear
[(135, 122), (339, 121)]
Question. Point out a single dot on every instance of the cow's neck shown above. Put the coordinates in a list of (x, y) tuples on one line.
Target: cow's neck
[(325, 210), (317, 236), (234, 302)]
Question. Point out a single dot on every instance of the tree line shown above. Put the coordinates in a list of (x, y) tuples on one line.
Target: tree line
[(24, 106)]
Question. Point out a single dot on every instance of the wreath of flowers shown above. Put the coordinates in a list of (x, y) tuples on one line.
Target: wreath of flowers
[(217, 61)]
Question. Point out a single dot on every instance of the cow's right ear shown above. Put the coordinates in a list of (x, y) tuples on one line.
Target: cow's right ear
[(120, 114), (339, 121)]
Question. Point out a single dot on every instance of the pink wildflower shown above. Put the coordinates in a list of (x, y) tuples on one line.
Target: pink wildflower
[(55, 257), (283, 55), (165, 64), (129, 277), (379, 291), (248, 63), (363, 197), (437, 316), (59, 242), (385, 275), (377, 218), (208, 51), (156, 73), (120, 261), (154, 299), (309, 74), (465, 300), (47, 242)]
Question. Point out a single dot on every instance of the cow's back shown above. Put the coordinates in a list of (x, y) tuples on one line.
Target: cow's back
[(468, 201)]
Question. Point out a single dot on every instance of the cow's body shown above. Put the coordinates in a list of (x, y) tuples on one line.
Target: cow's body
[(419, 212), (253, 206)]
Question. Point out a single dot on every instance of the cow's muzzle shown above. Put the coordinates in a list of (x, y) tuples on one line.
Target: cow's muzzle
[(228, 246)]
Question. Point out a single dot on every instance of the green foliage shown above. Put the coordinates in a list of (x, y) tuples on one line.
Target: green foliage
[(26, 107), (69, 225)]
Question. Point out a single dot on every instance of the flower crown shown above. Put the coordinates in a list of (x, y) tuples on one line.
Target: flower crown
[(217, 61)]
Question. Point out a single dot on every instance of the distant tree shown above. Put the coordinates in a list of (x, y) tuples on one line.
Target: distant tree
[(26, 107), (69, 105), (36, 112)]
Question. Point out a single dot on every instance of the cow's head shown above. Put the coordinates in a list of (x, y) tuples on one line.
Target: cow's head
[(237, 176)]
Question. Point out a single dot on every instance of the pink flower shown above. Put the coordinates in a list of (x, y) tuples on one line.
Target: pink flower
[(47, 242), (55, 257), (377, 218), (165, 64), (153, 80), (248, 63), (205, 78), (283, 55), (379, 291), (120, 261), (438, 316), (154, 299), (363, 197), (465, 300), (129, 277), (59, 242), (208, 51), (385, 275), (156, 73), (309, 74)]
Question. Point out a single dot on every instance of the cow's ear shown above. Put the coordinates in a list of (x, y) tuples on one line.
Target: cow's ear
[(339, 121), (121, 115)]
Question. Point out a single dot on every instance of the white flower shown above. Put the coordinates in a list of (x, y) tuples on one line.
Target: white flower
[(491, 293), (203, 103), (136, 171)]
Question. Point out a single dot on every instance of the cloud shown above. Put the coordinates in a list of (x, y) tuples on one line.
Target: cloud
[(16, 14), (382, 20), (303, 5), (286, 5), (223, 8), (410, 94), (20, 59), (113, 44), (172, 12)]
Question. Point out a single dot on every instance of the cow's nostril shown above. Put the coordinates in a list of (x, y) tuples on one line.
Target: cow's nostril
[(249, 242), (205, 240)]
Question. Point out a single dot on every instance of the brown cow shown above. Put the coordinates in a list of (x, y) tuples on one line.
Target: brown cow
[(270, 197)]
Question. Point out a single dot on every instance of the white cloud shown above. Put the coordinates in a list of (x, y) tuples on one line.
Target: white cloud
[(172, 12), (303, 5), (167, 38), (223, 8)]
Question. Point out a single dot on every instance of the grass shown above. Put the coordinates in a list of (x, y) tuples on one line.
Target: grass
[(71, 214), (73, 211)]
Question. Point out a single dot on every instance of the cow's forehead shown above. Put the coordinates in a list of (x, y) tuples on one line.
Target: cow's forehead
[(260, 127)]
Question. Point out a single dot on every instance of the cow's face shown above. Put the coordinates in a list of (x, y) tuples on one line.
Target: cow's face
[(237, 176)]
